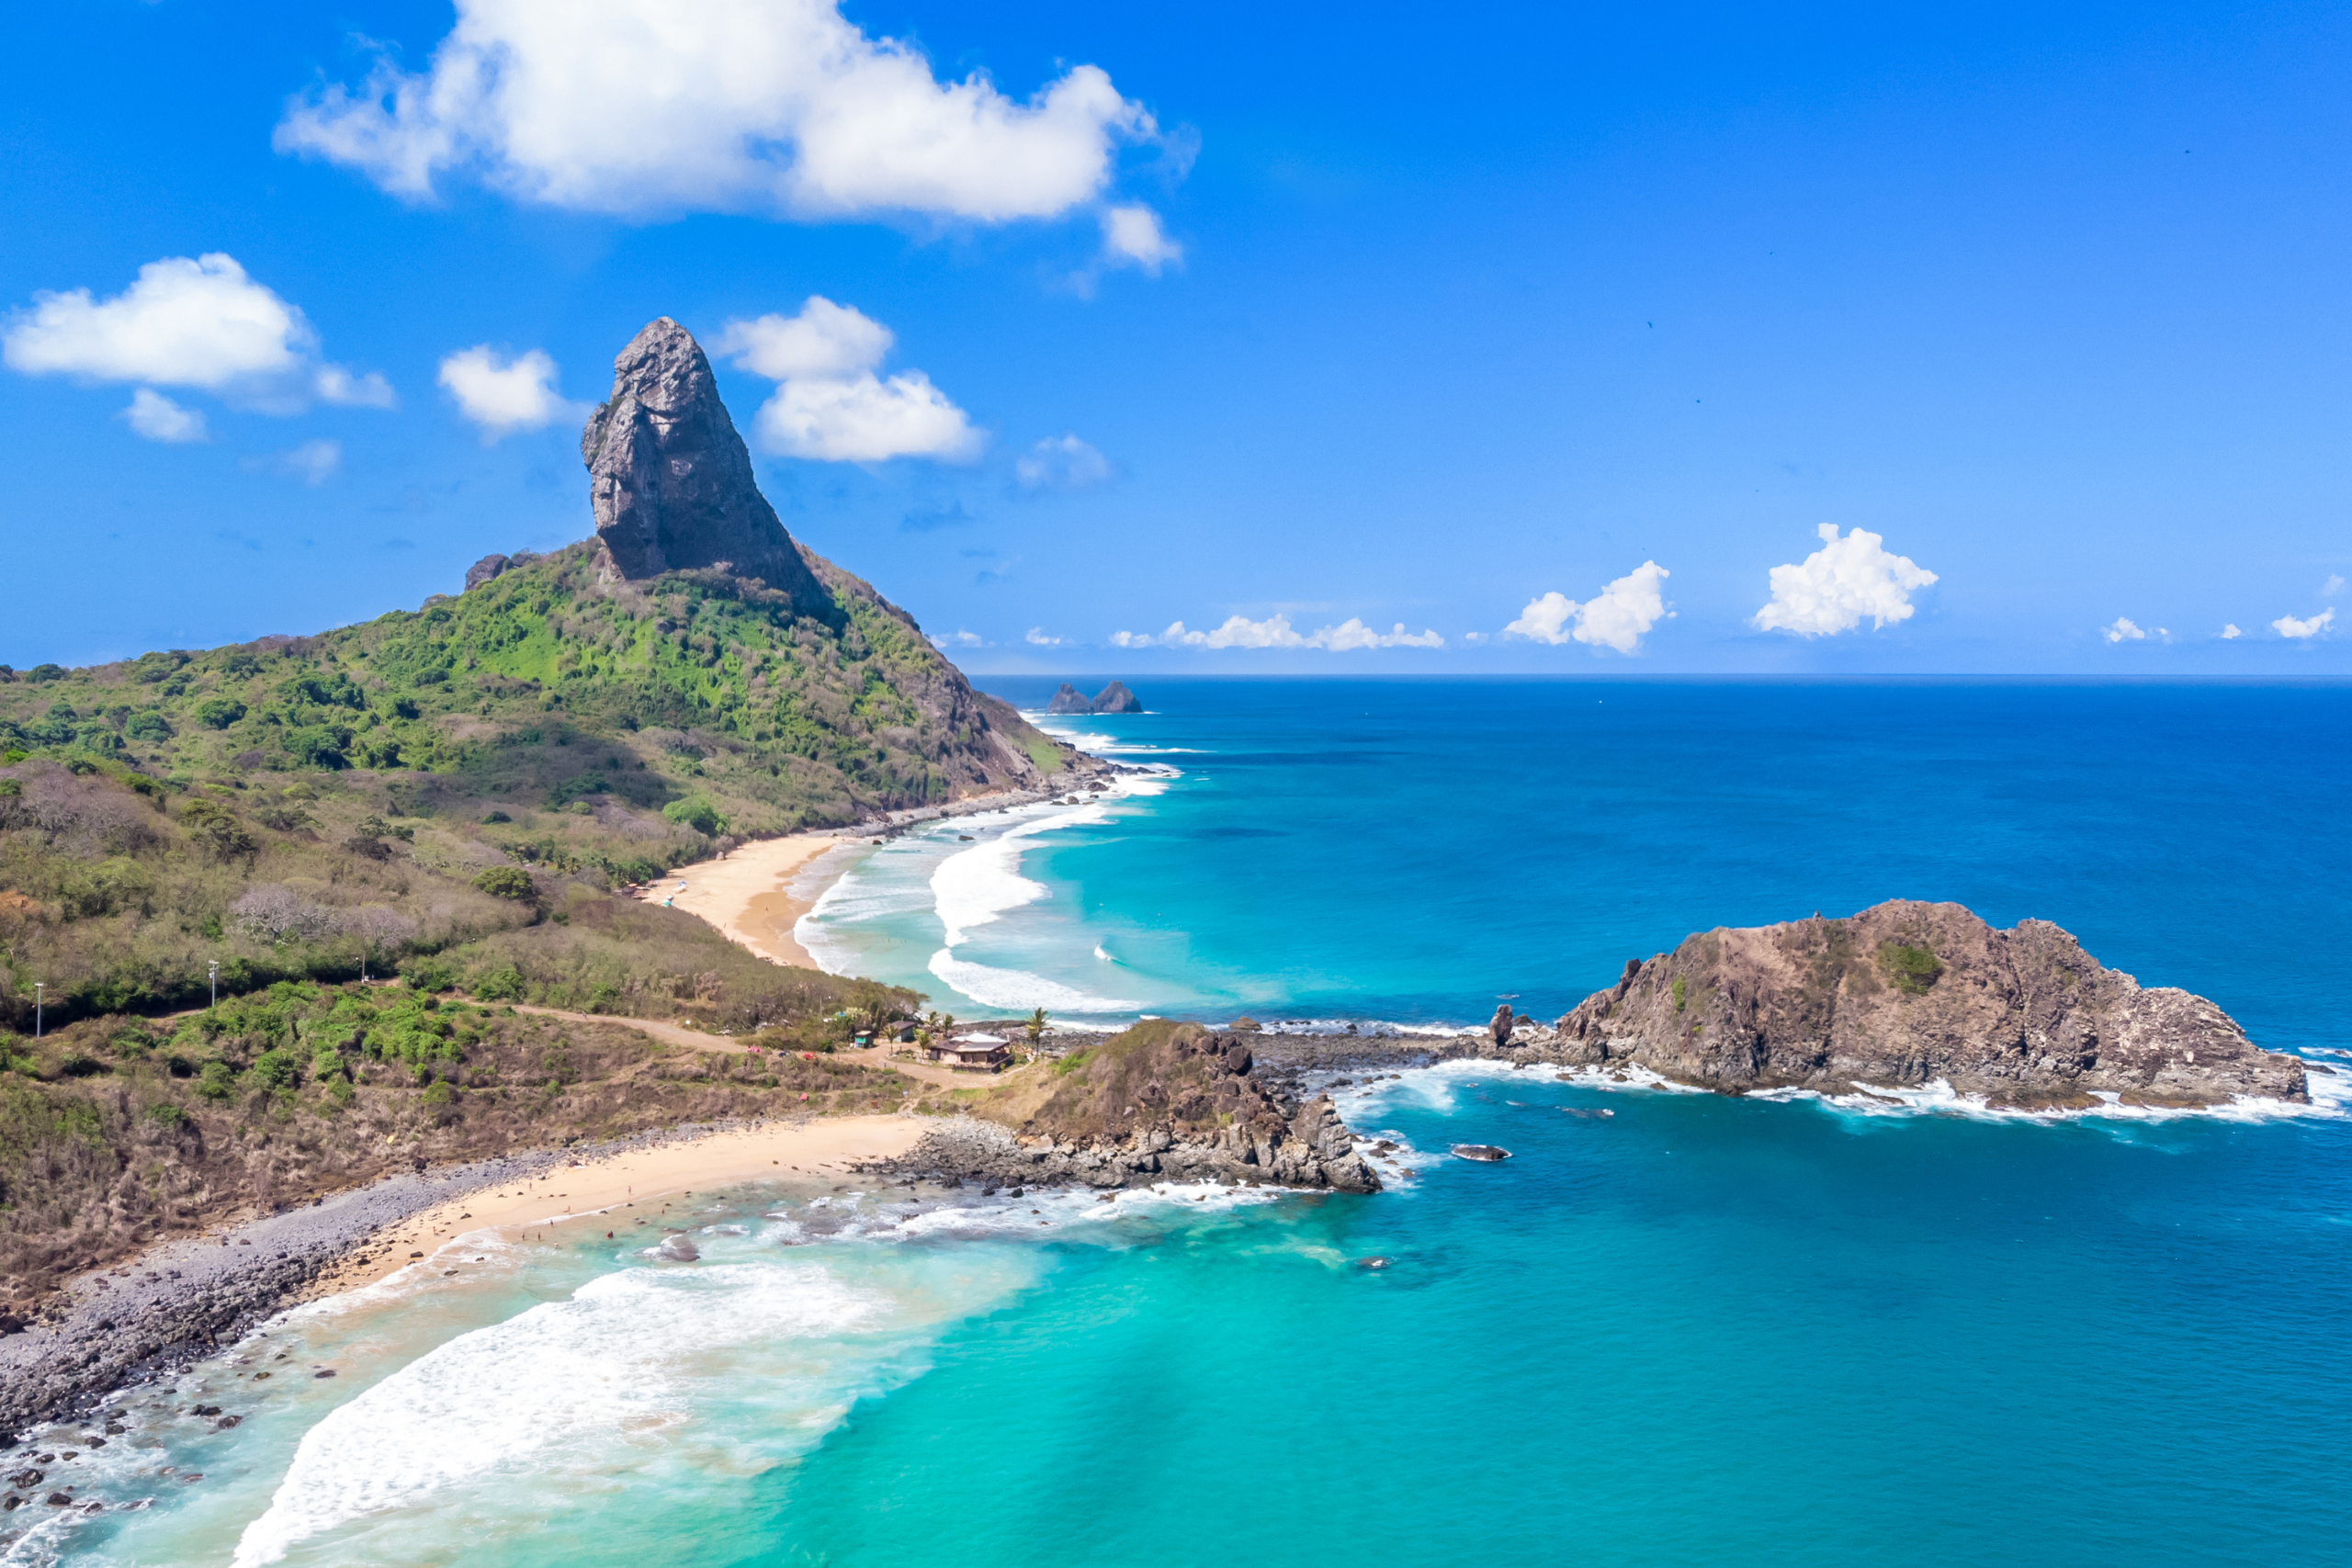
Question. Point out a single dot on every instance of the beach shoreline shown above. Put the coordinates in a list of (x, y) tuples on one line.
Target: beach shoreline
[(188, 1298)]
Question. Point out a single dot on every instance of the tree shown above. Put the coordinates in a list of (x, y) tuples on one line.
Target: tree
[(1035, 1025), (505, 882)]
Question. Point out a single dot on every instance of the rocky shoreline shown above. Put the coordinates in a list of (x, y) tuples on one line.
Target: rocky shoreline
[(183, 1300)]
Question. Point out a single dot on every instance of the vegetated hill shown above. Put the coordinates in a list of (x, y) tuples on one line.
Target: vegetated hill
[(299, 806), (116, 1131)]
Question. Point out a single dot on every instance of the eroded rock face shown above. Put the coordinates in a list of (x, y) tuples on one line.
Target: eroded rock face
[(671, 480), (486, 569), (1906, 993)]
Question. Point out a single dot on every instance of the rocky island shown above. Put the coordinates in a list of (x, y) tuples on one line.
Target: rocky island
[(1113, 698), (1900, 996)]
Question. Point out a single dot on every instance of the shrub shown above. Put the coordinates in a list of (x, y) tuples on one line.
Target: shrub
[(427, 974), (220, 713), (166, 1115), (277, 1069), (441, 1092), (505, 882), (501, 985), (1680, 992), (698, 813), (215, 1082), (149, 727), (1913, 969)]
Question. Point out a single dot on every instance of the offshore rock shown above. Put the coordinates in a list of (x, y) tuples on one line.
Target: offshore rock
[(671, 480), (1903, 995), (1069, 700), (1114, 698)]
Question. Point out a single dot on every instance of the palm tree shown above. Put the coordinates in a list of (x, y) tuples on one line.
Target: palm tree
[(1036, 1026)]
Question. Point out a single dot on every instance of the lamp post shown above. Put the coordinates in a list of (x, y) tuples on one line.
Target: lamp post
[(213, 973), (38, 987)]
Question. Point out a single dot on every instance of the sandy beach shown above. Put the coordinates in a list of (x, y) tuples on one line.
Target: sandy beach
[(745, 895), (614, 1190)]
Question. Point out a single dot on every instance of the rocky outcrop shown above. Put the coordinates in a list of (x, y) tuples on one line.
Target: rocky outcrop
[(486, 569), (1904, 994), (1115, 699), (671, 480), (1070, 700), (1162, 1102)]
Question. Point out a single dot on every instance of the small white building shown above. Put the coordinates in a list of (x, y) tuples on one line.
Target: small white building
[(971, 1052)]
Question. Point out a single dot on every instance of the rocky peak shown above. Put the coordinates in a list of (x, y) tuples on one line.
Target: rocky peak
[(1116, 698), (1069, 699), (671, 480)]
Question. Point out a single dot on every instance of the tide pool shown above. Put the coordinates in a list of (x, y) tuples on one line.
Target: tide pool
[(1693, 1329)]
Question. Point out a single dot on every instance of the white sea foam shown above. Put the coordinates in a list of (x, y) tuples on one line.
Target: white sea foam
[(1017, 990), (545, 1393)]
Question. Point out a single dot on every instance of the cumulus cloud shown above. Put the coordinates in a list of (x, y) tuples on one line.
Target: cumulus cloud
[(2123, 630), (1832, 589), (2289, 626), (1037, 637), (1132, 237), (158, 418), (959, 639), (770, 106), (185, 321), (1275, 631), (2230, 630), (1619, 616), (313, 462), (503, 395), (830, 404), (1061, 462)]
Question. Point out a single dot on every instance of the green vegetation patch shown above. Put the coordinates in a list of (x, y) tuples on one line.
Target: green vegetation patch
[(1912, 970)]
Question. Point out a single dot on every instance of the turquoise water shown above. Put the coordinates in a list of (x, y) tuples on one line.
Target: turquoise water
[(1695, 1329)]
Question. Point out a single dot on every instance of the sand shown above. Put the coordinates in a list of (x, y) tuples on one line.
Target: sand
[(745, 895), (611, 1191)]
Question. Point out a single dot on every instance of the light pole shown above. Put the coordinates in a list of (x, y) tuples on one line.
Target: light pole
[(213, 973), (38, 987)]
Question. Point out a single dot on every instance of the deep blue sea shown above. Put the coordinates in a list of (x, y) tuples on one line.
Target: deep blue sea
[(1696, 1329)]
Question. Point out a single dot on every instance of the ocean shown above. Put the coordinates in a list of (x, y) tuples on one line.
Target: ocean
[(1692, 1329)]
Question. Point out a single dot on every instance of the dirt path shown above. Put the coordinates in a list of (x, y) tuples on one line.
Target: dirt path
[(876, 1056)]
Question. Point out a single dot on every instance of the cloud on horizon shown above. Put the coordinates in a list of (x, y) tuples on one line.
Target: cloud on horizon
[(776, 107), (829, 404), (503, 395), (1275, 631), (1834, 588), (2303, 631), (1619, 616), (187, 321)]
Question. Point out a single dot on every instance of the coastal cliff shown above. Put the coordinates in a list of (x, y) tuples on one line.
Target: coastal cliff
[(1164, 1102), (1902, 995)]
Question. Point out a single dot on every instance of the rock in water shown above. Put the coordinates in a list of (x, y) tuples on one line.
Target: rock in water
[(677, 1248), (1115, 699), (485, 571), (670, 481), (1499, 1025), (1486, 1153), (1907, 993), (1067, 700)]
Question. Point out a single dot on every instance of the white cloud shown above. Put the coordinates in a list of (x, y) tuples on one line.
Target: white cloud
[(729, 105), (503, 398), (1037, 635), (1836, 586), (2332, 586), (831, 405), (1132, 237), (313, 462), (959, 639), (1061, 462), (158, 418), (1275, 631), (2123, 630), (187, 322), (2230, 630), (1618, 616), (2289, 626)]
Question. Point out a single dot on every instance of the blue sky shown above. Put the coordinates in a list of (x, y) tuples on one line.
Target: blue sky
[(1543, 335)]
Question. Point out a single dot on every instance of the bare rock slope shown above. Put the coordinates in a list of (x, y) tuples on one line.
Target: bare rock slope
[(1904, 994)]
